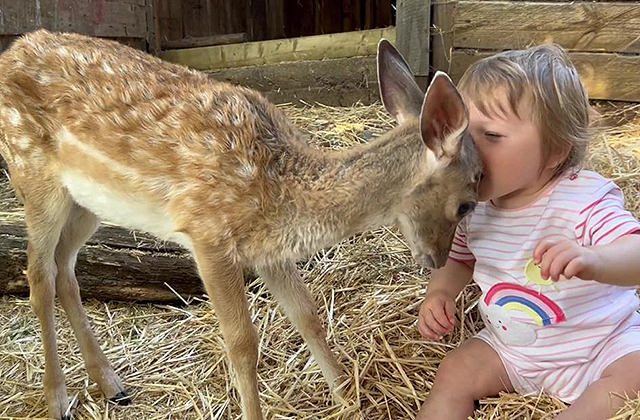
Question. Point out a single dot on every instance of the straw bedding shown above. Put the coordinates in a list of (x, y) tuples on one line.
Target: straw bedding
[(171, 357)]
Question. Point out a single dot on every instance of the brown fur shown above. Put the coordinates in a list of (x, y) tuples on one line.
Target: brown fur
[(94, 130)]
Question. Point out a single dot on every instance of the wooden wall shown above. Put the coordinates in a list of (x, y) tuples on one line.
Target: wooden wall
[(124, 20), (156, 25), (269, 19), (603, 38)]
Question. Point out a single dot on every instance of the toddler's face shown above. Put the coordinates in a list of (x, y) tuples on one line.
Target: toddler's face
[(510, 146)]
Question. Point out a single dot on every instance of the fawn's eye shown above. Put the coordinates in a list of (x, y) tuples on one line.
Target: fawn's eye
[(466, 208)]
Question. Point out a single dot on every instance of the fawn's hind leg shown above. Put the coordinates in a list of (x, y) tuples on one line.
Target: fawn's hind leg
[(79, 227), (47, 206)]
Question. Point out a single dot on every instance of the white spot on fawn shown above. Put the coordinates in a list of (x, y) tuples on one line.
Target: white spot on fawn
[(17, 160), (23, 143), (247, 170), (107, 68), (14, 116)]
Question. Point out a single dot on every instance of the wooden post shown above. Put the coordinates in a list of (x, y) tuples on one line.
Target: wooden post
[(153, 28), (413, 18), (442, 35)]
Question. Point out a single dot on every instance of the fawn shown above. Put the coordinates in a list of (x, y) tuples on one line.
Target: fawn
[(91, 129)]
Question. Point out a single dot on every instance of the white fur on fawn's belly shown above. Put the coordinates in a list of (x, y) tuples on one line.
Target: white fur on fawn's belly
[(113, 206)]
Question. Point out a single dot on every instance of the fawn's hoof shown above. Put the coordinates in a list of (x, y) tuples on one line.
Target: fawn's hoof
[(121, 398)]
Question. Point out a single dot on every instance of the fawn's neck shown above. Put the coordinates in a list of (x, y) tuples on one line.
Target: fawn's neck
[(334, 195)]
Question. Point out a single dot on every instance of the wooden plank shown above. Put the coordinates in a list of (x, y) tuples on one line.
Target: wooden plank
[(221, 19), (331, 17), (275, 19), (47, 13), (19, 17), (348, 17), (579, 26), (383, 13), (442, 34), (170, 16), (256, 20), (412, 23), (235, 16), (113, 19), (340, 45), (192, 18), (606, 76), (300, 18), (99, 18), (369, 12), (205, 41)]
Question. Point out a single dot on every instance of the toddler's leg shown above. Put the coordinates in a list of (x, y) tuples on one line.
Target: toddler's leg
[(602, 398), (472, 371)]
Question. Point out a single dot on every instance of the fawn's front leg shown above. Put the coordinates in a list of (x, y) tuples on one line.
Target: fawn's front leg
[(224, 283), (287, 287)]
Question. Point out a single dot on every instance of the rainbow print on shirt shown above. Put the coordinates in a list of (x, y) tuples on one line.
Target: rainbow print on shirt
[(513, 297)]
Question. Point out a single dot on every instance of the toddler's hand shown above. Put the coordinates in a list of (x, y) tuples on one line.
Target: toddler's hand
[(436, 315), (561, 256)]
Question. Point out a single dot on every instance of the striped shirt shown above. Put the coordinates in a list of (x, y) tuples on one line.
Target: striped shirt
[(547, 325)]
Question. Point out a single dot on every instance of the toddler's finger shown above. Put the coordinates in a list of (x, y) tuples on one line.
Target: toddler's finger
[(441, 318), (425, 331), (436, 327), (450, 310)]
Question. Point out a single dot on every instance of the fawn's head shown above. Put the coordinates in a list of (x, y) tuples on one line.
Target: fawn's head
[(432, 206)]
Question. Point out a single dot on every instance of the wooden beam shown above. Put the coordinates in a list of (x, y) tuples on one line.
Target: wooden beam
[(412, 23), (578, 26), (320, 47), (442, 34), (606, 76), (114, 264), (205, 41)]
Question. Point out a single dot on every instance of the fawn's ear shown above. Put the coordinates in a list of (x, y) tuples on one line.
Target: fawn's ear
[(399, 91), (444, 116)]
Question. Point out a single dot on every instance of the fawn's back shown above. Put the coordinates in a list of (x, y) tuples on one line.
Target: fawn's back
[(136, 140)]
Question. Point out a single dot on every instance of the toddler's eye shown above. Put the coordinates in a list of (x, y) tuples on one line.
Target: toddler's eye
[(492, 136)]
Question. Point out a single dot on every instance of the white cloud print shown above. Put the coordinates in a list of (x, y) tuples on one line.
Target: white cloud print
[(510, 332)]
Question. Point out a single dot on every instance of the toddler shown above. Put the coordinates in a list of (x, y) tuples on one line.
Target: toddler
[(550, 245)]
